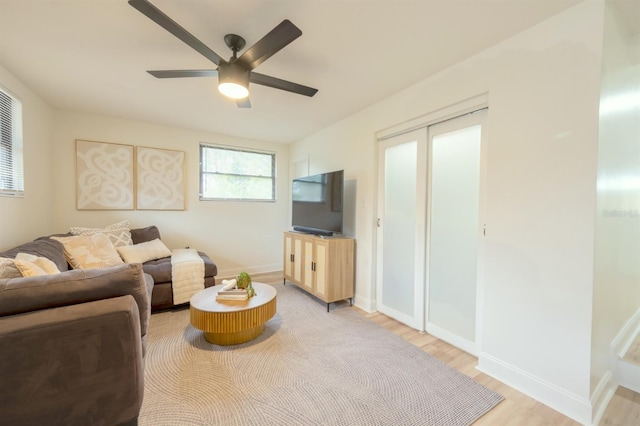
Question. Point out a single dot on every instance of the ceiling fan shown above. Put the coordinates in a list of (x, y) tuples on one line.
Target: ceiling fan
[(235, 74)]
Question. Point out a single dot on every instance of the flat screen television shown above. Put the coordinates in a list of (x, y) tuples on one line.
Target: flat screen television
[(317, 203)]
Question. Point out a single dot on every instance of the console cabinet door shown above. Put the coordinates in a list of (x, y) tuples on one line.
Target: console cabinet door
[(297, 259), (309, 265), (288, 257), (320, 269), (340, 269), (293, 258)]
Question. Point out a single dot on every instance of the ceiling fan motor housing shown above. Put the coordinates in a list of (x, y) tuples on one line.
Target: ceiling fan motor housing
[(233, 73)]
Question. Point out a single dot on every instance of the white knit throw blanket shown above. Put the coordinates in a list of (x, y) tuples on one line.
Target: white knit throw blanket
[(187, 274)]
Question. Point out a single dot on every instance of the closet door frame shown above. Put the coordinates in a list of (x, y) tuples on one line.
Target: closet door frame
[(455, 110)]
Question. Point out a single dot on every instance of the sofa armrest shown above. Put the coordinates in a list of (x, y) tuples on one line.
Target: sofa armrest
[(72, 365), (19, 295)]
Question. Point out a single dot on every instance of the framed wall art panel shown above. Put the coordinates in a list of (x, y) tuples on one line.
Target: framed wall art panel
[(160, 179), (104, 175)]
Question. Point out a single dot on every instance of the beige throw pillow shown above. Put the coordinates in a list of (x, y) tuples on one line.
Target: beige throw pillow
[(8, 268), (144, 252), (119, 233), (30, 265), (89, 251)]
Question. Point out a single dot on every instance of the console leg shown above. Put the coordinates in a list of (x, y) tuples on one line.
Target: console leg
[(327, 307), (351, 301)]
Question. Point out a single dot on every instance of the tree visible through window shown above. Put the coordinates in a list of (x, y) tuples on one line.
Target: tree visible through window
[(236, 174), (11, 169)]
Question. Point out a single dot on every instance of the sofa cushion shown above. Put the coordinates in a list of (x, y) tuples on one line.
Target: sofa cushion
[(30, 265), (19, 295), (142, 235), (119, 233), (8, 268), (143, 252), (89, 251), (42, 247), (160, 269)]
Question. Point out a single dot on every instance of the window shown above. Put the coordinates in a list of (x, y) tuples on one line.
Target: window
[(11, 169), (236, 174)]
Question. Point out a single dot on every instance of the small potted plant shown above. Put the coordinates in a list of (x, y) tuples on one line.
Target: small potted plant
[(244, 281)]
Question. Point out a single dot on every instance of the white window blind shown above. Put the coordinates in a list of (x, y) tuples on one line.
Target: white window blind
[(11, 161)]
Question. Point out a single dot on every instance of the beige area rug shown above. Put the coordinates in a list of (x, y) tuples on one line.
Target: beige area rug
[(309, 367)]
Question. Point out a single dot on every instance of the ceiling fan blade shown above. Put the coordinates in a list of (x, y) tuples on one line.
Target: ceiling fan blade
[(182, 73), (270, 44), (156, 15), (243, 103), (277, 83)]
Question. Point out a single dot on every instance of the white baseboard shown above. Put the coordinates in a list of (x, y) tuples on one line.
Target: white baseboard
[(602, 396), (234, 272), (366, 304), (452, 339), (567, 403)]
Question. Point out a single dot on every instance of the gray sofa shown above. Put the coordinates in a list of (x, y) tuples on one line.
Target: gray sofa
[(159, 269), (73, 343), (73, 346)]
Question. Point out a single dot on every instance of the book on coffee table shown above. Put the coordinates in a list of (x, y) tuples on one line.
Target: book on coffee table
[(233, 294)]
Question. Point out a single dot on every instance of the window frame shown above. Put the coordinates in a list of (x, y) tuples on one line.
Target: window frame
[(204, 146), (12, 168)]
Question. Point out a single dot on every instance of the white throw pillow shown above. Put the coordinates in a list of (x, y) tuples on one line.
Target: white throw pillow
[(30, 265), (119, 233), (144, 252), (89, 251), (8, 268)]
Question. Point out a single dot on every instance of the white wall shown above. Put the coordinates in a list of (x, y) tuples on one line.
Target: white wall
[(24, 219), (238, 236), (617, 261), (543, 89)]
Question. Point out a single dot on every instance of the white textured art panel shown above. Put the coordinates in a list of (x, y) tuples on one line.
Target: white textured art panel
[(160, 174), (104, 176)]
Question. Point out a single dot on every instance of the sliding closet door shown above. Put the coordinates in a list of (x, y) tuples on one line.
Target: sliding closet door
[(401, 227), (454, 229)]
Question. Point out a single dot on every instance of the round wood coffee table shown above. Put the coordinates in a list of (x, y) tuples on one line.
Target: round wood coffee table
[(231, 321)]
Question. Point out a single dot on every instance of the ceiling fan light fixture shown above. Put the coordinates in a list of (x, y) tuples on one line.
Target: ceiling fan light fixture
[(233, 81), (233, 90)]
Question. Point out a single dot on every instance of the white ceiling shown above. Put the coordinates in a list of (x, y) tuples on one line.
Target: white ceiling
[(91, 55)]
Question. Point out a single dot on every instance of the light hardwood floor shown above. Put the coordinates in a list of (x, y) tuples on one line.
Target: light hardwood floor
[(517, 408)]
